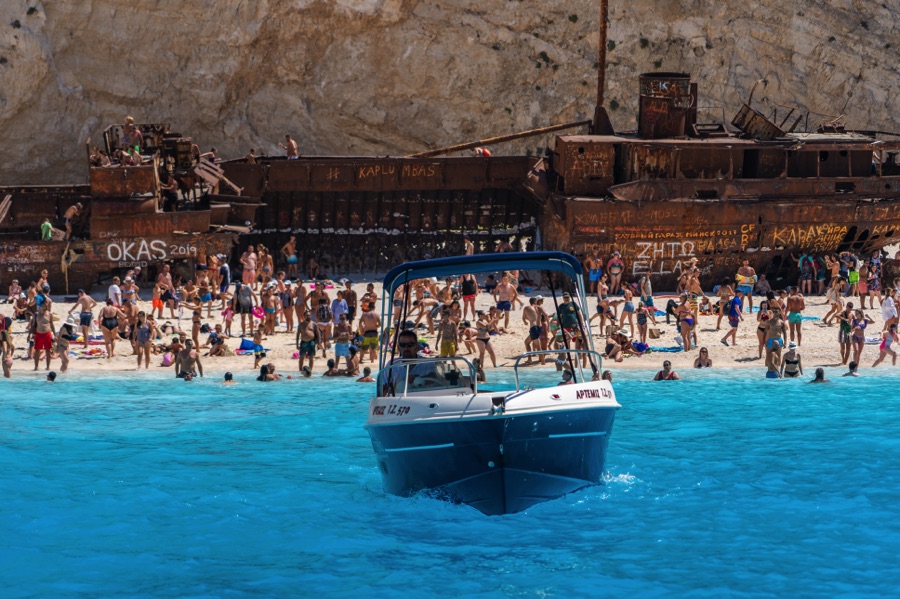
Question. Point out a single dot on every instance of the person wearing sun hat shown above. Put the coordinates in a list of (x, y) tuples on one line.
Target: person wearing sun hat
[(791, 365)]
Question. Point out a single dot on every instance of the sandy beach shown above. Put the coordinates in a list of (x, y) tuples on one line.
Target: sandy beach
[(819, 346)]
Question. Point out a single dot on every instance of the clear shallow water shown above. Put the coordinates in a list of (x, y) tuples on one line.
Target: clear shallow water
[(720, 485)]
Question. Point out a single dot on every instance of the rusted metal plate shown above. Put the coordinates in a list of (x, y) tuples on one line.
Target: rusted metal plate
[(120, 207), (86, 260), (162, 223), (665, 102), (121, 182), (756, 125), (287, 175), (250, 177), (665, 237), (586, 166)]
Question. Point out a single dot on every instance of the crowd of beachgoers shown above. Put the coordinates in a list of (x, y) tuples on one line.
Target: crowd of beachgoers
[(279, 322)]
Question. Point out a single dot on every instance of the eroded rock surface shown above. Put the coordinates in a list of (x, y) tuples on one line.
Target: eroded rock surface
[(400, 76)]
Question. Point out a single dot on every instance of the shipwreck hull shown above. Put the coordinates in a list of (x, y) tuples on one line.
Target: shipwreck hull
[(665, 237), (363, 214), (81, 264)]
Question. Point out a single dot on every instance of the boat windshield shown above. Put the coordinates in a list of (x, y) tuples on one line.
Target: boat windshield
[(405, 376), (575, 366)]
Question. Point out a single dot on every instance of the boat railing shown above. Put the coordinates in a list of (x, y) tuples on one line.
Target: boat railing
[(413, 375), (574, 365)]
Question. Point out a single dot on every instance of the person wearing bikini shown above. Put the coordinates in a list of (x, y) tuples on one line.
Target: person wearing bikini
[(686, 322), (858, 333), (888, 338), (483, 338), (615, 267), (791, 364), (703, 360)]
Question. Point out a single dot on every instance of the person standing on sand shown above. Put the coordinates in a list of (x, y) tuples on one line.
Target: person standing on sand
[(369, 325), (7, 349), (64, 336), (469, 288), (889, 308), (115, 292), (888, 338), (645, 286), (593, 265), (504, 295), (248, 261), (144, 333), (42, 331), (725, 294), (244, 300), (614, 268), (187, 362), (531, 317), (109, 325), (447, 334), (795, 306), (85, 306), (289, 251), (735, 310), (775, 334), (306, 340), (352, 299), (746, 279)]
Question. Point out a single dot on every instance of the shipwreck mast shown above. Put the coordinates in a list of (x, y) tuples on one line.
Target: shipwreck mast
[(602, 124)]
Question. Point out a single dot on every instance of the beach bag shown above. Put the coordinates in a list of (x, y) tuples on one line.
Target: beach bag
[(324, 313), (246, 345), (653, 333)]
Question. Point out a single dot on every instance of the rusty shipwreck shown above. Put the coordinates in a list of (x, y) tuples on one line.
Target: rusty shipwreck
[(123, 223)]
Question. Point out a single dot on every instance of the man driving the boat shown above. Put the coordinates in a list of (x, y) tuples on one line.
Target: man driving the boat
[(419, 374)]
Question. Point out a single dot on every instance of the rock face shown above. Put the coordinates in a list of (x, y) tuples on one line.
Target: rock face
[(400, 76)]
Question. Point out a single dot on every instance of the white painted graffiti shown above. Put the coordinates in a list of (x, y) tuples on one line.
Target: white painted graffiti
[(662, 257), (145, 250)]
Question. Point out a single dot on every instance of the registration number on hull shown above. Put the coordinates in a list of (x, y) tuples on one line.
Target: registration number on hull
[(390, 410)]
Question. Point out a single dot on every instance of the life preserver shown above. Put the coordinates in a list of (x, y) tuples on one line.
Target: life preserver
[(258, 312)]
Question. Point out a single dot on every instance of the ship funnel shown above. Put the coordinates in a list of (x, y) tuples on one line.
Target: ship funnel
[(667, 105)]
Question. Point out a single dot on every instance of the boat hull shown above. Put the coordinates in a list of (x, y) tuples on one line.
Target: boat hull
[(500, 464)]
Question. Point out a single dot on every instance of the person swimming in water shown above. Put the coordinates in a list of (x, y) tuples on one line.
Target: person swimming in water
[(820, 376), (667, 374)]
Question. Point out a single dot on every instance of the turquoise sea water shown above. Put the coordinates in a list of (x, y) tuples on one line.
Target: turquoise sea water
[(722, 485)]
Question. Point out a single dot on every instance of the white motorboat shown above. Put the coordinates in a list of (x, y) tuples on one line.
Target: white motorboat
[(433, 428)]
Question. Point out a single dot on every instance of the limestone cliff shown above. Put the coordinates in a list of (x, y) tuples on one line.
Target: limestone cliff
[(399, 76)]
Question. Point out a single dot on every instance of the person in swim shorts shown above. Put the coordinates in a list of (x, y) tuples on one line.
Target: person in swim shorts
[(306, 340), (447, 333), (505, 294), (746, 279), (795, 306)]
